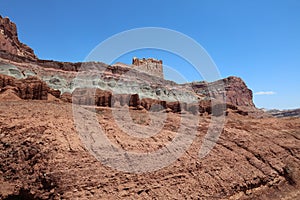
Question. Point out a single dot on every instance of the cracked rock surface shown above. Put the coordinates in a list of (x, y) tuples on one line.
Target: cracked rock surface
[(43, 157)]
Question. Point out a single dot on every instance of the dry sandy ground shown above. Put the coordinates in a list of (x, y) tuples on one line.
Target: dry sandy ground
[(42, 156)]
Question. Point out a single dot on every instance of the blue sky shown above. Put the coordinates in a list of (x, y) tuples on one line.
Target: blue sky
[(257, 40)]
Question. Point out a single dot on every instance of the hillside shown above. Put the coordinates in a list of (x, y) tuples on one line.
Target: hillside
[(98, 131)]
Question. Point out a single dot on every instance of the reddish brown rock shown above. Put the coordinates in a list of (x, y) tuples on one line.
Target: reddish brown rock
[(91, 96), (83, 96), (66, 97), (43, 157), (32, 88), (153, 104), (55, 93), (103, 98), (150, 66), (233, 89), (9, 41), (6, 80), (9, 93), (237, 92), (205, 106), (29, 88), (132, 100), (174, 106)]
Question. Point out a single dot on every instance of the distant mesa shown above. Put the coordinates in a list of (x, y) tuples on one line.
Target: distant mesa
[(284, 113)]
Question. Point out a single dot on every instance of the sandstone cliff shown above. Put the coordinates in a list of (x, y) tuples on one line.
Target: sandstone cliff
[(28, 88), (235, 90), (10, 42)]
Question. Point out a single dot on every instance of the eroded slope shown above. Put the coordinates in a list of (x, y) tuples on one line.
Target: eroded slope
[(42, 157)]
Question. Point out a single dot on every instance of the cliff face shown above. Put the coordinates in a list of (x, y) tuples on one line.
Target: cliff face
[(28, 88), (118, 78), (235, 91), (150, 66), (9, 40)]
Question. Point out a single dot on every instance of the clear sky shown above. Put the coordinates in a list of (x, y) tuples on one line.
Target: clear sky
[(257, 40)]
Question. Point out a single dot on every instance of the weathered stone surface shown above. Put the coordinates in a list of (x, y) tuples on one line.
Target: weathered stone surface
[(66, 97), (91, 96), (174, 106), (9, 41), (132, 100), (6, 80), (235, 91), (9, 93), (29, 88), (32, 88), (150, 66), (103, 98), (42, 157), (153, 104), (55, 93)]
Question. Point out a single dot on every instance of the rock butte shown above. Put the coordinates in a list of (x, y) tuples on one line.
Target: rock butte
[(42, 157)]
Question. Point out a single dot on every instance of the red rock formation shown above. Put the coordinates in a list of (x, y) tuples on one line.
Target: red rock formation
[(66, 97), (134, 100), (233, 89), (103, 98), (9, 40), (55, 93), (91, 96), (131, 100), (29, 88), (174, 106), (150, 66), (149, 103), (6, 80), (32, 88), (236, 91), (9, 93), (43, 157)]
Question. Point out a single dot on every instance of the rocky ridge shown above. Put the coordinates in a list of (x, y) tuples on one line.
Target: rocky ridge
[(123, 80), (10, 42), (117, 79), (43, 156), (29, 88)]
